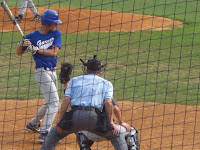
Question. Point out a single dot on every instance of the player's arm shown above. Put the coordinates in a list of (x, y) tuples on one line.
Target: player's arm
[(117, 112), (63, 109), (49, 52), (64, 106), (109, 113), (22, 46), (20, 51), (55, 46), (118, 115), (66, 85), (109, 110)]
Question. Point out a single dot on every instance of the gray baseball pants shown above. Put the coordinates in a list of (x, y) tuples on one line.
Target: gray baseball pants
[(83, 120), (96, 138), (47, 81), (25, 4)]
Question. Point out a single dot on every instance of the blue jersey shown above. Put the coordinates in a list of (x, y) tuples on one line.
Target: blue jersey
[(45, 41), (89, 90)]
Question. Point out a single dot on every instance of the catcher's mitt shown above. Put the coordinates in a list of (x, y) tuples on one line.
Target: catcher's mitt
[(65, 73)]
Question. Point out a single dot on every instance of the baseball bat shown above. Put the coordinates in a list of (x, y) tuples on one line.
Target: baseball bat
[(12, 18)]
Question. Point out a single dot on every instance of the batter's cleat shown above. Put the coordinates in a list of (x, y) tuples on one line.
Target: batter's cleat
[(42, 137), (36, 18), (32, 128), (19, 18)]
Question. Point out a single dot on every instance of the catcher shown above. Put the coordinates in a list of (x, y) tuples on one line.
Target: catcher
[(86, 139)]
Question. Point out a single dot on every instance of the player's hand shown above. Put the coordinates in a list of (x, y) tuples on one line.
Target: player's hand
[(115, 130), (24, 42), (126, 125), (33, 49)]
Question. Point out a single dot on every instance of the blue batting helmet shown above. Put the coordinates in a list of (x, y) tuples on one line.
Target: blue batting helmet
[(49, 16)]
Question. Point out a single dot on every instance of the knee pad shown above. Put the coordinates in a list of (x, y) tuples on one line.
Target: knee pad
[(132, 139), (83, 142)]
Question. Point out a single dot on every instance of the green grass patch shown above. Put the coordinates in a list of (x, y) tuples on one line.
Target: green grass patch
[(159, 66), (147, 66)]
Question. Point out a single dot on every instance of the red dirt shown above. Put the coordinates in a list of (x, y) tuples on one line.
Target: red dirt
[(160, 126), (81, 20)]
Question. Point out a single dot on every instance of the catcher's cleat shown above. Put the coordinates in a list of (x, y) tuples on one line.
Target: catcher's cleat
[(32, 128), (19, 18), (36, 18)]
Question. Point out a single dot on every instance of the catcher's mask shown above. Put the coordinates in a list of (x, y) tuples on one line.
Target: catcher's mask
[(93, 64)]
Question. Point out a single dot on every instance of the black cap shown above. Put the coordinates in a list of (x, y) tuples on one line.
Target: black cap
[(93, 64)]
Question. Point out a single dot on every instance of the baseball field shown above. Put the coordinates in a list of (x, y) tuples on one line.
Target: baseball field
[(151, 49)]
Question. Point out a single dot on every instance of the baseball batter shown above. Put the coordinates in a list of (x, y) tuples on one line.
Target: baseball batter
[(24, 5), (44, 44)]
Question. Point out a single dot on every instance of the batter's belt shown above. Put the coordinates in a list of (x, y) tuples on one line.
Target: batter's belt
[(47, 68)]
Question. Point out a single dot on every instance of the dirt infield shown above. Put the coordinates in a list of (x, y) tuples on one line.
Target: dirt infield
[(160, 126), (81, 20)]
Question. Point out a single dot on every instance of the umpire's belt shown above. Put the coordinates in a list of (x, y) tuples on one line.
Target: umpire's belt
[(48, 69), (86, 108)]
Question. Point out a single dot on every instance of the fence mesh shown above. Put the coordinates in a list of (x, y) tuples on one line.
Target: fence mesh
[(151, 52)]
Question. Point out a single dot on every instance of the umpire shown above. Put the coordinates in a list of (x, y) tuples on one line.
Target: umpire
[(87, 95)]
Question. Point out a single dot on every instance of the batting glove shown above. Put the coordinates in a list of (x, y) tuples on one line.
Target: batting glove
[(33, 49), (24, 42)]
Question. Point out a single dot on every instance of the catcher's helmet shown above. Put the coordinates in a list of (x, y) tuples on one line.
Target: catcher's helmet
[(93, 64), (49, 16)]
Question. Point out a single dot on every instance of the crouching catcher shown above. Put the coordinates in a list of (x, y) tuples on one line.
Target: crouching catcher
[(86, 139)]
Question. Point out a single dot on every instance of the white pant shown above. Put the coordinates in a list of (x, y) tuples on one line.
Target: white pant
[(47, 81), (24, 5)]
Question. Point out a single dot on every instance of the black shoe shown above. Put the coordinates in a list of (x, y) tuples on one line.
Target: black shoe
[(36, 18), (19, 18), (33, 128)]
